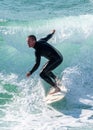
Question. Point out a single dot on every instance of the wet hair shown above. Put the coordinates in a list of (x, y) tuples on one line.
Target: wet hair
[(33, 37)]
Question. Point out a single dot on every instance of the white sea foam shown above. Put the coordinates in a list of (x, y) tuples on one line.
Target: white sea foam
[(28, 110)]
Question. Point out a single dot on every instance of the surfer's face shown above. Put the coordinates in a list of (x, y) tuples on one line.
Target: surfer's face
[(31, 42)]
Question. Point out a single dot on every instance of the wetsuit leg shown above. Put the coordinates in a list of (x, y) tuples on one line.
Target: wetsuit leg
[(46, 73), (51, 74)]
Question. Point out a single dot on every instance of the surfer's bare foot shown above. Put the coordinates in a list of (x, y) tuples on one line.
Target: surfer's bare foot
[(57, 89), (57, 81)]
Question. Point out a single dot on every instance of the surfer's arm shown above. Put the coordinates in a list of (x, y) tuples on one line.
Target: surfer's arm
[(48, 36), (38, 58)]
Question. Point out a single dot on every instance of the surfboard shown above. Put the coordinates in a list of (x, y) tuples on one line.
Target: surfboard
[(51, 98)]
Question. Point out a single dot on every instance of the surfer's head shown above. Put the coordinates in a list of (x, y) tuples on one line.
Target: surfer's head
[(31, 40)]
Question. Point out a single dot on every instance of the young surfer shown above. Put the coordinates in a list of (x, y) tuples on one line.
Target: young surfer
[(42, 48)]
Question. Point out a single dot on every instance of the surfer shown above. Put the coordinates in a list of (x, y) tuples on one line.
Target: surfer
[(42, 48)]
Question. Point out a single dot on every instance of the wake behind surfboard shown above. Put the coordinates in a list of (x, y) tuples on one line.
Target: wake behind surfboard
[(51, 98)]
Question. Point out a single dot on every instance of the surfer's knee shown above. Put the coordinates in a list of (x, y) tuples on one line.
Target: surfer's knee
[(61, 59), (42, 74)]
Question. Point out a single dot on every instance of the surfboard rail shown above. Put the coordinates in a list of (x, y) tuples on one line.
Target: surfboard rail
[(51, 98)]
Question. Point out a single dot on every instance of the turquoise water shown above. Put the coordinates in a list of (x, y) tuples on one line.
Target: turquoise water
[(22, 103)]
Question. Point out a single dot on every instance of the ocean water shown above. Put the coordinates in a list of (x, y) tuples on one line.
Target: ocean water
[(22, 103)]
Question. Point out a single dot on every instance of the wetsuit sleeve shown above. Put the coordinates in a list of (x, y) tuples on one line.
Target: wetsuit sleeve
[(38, 59), (47, 37)]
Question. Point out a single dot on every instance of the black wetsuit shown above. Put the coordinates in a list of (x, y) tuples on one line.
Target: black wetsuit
[(42, 48)]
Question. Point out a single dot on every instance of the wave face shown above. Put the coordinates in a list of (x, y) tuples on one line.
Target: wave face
[(22, 103)]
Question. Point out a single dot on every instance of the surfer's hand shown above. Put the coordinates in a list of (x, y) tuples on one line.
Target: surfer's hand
[(53, 31), (28, 74)]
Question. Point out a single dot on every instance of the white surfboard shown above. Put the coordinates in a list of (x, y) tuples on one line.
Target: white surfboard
[(50, 98)]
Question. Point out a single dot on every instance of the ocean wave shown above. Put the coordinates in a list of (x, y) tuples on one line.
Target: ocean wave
[(66, 26), (24, 103)]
